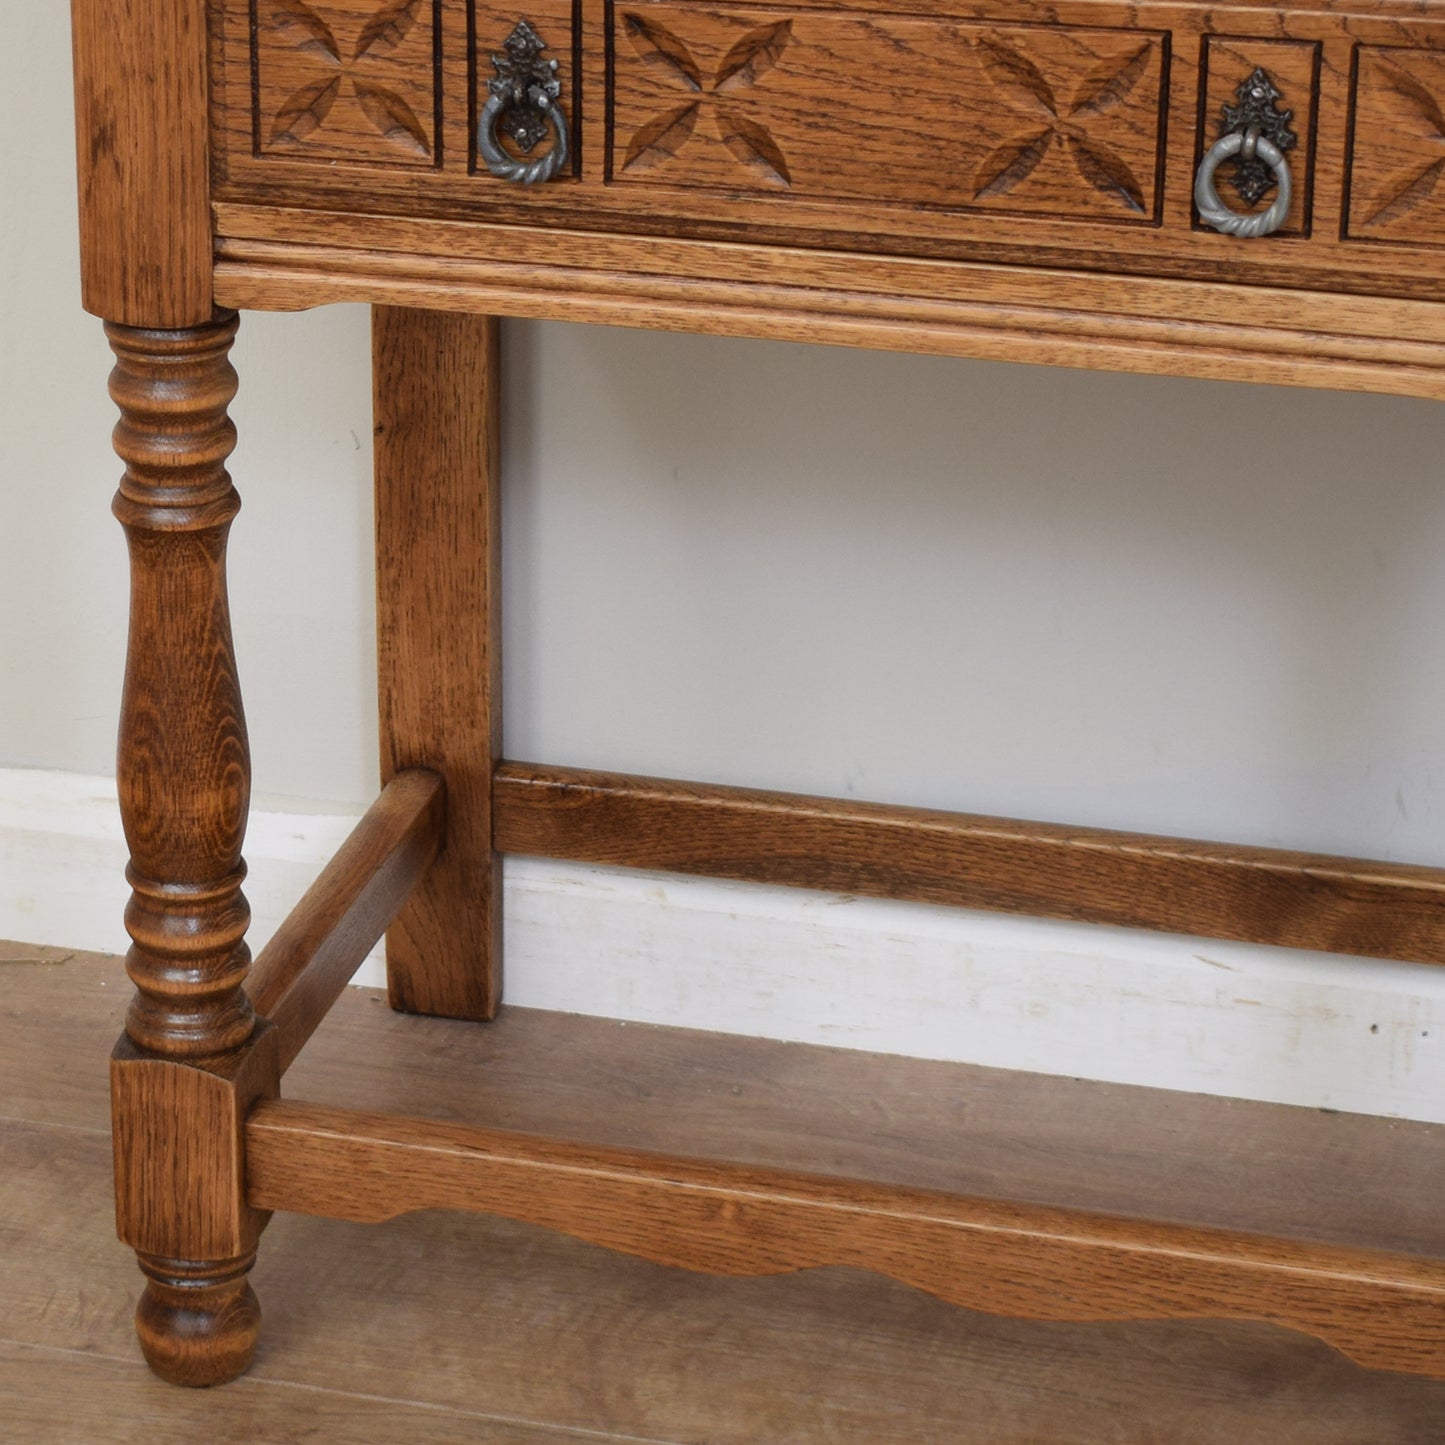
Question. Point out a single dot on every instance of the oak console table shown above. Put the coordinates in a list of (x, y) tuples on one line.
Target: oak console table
[(1250, 192)]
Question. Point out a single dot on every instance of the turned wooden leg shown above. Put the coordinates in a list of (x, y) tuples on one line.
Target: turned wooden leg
[(439, 639), (193, 1058), (198, 1322)]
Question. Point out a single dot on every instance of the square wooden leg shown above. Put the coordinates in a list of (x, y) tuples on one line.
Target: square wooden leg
[(439, 638)]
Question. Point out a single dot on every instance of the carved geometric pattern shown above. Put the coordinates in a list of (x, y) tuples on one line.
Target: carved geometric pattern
[(346, 81), (913, 109), (660, 137), (1021, 84), (1418, 115)]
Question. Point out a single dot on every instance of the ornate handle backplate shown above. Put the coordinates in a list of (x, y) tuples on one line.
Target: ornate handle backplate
[(1257, 135), (523, 104)]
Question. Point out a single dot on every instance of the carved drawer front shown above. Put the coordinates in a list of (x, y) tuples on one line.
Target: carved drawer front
[(1397, 153), (1047, 132), (1064, 121)]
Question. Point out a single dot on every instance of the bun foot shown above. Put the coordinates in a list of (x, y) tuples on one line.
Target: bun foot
[(198, 1321)]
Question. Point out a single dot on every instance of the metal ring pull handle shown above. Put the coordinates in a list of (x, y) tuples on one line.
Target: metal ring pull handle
[(1213, 211), (1257, 134), (523, 104), (505, 167)]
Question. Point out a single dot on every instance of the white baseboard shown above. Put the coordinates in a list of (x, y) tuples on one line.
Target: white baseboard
[(1057, 998)]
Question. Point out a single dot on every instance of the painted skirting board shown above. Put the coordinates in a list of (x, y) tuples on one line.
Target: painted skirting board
[(1057, 998)]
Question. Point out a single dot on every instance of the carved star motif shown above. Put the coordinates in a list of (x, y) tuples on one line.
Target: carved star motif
[(1408, 188), (307, 108), (660, 138), (1023, 85)]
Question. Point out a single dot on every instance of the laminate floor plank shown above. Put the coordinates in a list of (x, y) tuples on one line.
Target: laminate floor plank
[(76, 1399), (459, 1325), (497, 1320), (61, 1012), (551, 1329)]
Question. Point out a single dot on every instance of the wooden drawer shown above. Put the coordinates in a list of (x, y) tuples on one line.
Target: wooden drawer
[(1062, 134), (908, 111)]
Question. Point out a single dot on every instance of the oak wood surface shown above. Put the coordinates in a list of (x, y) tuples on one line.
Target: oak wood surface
[(191, 1061), (346, 82), (143, 152), (1228, 1164), (445, 1326), (996, 323), (390, 245), (183, 761), (466, 1318), (1396, 160), (1383, 1310), (682, 111), (958, 128), (314, 953), (180, 1203), (180, 1165), (1063, 121), (1258, 895), (438, 589)]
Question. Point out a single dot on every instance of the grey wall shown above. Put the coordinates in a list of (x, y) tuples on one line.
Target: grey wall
[(1144, 602)]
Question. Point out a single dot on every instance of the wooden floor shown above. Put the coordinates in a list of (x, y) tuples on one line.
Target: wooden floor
[(457, 1328)]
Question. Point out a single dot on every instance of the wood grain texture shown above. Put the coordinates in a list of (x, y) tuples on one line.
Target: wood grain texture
[(65, 1399), (1258, 895), (1387, 1311), (312, 956), (443, 1317), (842, 125), (58, 1031), (180, 1203), (1065, 121), (1194, 1160), (183, 764), (1397, 154), (179, 1161), (1047, 318), (1034, 133), (191, 1062), (439, 638), (142, 143), (346, 82), (388, 245)]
